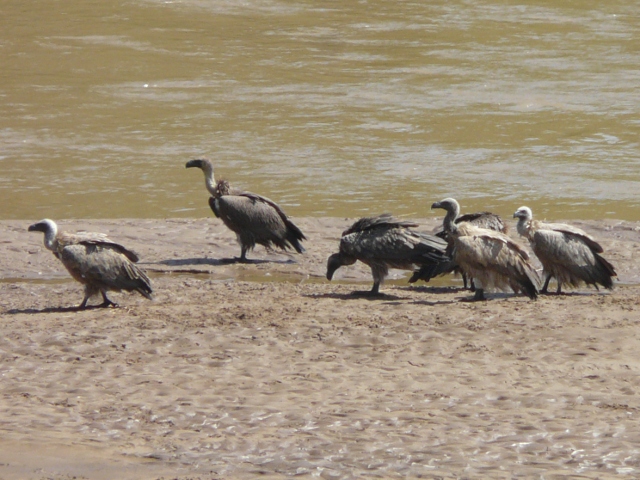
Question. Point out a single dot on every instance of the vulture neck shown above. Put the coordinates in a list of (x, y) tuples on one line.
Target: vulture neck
[(210, 180), (50, 238), (449, 222), (523, 226)]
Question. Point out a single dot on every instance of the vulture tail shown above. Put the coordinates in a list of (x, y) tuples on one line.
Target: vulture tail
[(528, 287), (295, 236), (605, 272), (432, 270), (138, 281)]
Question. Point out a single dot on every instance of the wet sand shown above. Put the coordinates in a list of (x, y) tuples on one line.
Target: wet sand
[(267, 369)]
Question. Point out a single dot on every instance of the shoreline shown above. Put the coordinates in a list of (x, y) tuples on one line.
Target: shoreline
[(201, 245)]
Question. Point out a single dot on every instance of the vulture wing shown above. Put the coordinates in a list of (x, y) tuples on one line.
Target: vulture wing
[(385, 220), (398, 247), (105, 265), (97, 239), (573, 232)]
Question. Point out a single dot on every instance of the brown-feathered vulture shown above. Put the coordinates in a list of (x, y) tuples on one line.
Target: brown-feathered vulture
[(567, 253), (383, 242), (253, 218), (491, 258), (487, 220), (95, 261)]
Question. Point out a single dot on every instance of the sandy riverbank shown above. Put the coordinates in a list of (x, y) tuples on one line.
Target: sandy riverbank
[(268, 369)]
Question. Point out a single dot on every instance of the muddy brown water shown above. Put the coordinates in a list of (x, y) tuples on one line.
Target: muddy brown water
[(330, 108)]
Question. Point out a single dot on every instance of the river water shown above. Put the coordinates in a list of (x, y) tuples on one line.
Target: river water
[(331, 108)]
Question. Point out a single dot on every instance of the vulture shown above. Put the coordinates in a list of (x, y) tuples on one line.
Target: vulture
[(95, 261), (491, 258), (567, 253), (253, 218), (383, 242), (487, 220)]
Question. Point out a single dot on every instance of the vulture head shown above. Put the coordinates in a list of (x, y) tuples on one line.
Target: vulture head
[(203, 164), (453, 211), (336, 261), (46, 226), (49, 228), (523, 213), (448, 204)]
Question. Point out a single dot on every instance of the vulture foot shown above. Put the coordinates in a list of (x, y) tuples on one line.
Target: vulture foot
[(545, 287), (367, 293), (108, 303), (374, 292), (478, 296), (545, 291)]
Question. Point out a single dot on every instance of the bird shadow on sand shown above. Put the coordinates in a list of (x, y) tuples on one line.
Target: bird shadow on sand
[(183, 262), (434, 303), (590, 293), (493, 297), (437, 290), (15, 311), (357, 295)]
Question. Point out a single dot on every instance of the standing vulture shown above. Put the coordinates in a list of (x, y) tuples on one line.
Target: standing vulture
[(383, 243), (487, 220), (566, 253), (96, 262), (491, 258), (253, 218)]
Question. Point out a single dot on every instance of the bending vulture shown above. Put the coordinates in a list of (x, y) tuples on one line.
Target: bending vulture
[(253, 218), (383, 243), (96, 262), (567, 253), (491, 258)]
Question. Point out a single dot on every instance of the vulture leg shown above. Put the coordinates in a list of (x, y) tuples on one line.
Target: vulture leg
[(559, 289), (89, 291), (107, 303), (83, 305), (243, 255), (374, 292), (467, 282), (479, 295), (546, 284)]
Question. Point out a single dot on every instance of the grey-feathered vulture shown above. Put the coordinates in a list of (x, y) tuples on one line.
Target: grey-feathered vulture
[(487, 220), (383, 243), (567, 253), (491, 258), (253, 218), (95, 261)]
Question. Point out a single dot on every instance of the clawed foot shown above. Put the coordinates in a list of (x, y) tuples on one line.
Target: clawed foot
[(544, 291), (479, 296), (366, 293), (107, 303)]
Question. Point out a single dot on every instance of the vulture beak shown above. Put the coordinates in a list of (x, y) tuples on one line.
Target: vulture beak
[(38, 227)]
